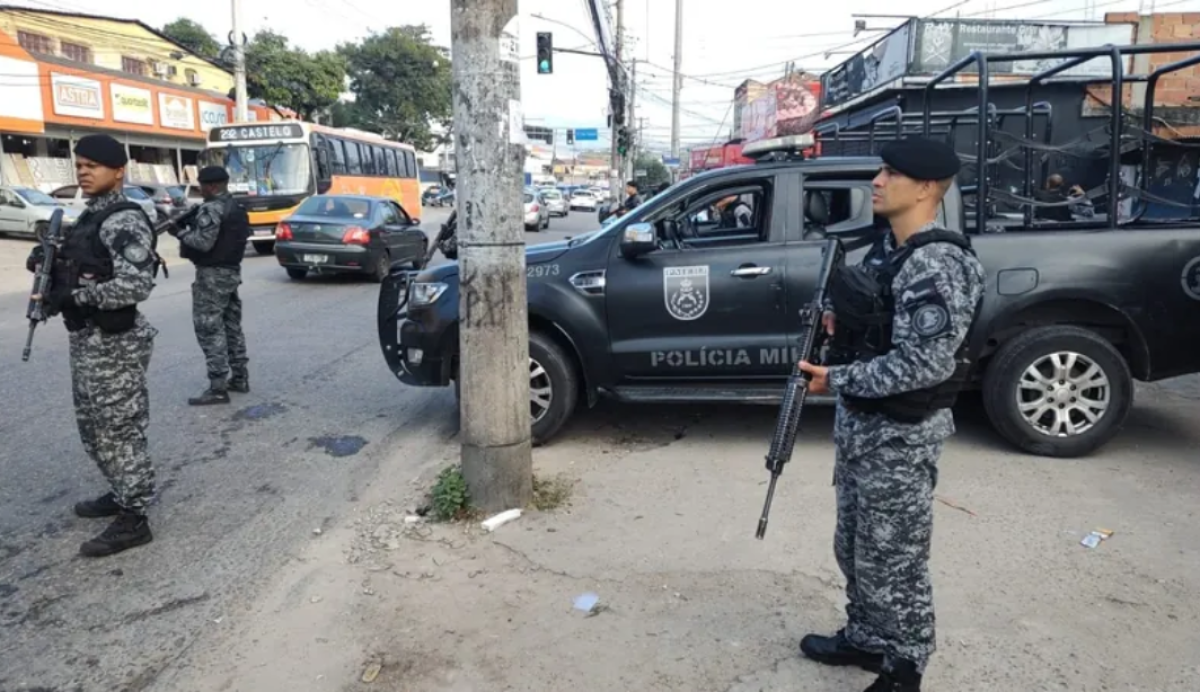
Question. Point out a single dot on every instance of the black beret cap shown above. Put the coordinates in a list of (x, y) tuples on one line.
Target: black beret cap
[(102, 149), (922, 159), (213, 174)]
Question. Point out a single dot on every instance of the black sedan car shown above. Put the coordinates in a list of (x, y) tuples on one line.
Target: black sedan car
[(334, 234)]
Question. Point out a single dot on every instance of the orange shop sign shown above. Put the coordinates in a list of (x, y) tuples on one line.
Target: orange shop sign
[(176, 112), (77, 96)]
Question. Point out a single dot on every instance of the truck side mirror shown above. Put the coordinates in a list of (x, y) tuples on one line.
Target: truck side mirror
[(638, 239)]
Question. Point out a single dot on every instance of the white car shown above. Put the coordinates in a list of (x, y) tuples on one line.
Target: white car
[(27, 211), (537, 214), (555, 202), (72, 196), (583, 199)]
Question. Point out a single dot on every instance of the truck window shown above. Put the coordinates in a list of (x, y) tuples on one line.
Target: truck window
[(734, 215), (838, 208)]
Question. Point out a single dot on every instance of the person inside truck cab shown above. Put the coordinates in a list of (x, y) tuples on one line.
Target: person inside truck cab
[(734, 212), (1054, 193)]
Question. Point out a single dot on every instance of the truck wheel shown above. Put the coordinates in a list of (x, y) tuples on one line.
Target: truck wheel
[(1058, 391), (553, 387)]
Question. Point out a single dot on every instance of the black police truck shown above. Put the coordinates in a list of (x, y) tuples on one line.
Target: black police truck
[(683, 301)]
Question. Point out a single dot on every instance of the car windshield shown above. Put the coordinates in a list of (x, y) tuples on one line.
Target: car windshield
[(582, 193), (176, 193), (135, 193), (335, 207), (265, 169), (35, 197), (528, 198), (551, 194)]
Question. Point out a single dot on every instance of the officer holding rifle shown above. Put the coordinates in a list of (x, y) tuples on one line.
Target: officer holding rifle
[(901, 322)]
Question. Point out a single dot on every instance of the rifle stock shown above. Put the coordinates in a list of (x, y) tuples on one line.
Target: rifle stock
[(811, 341), (35, 312)]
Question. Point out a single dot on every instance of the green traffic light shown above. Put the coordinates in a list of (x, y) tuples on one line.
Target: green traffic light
[(544, 66)]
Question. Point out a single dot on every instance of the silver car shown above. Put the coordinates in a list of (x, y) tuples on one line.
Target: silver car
[(556, 203), (537, 213), (72, 196), (26, 211)]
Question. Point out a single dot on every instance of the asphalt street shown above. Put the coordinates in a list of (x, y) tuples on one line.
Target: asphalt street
[(241, 485)]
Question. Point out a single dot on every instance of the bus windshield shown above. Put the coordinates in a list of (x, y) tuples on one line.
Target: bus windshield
[(264, 169)]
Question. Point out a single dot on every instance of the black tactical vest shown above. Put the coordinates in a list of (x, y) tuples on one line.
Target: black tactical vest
[(230, 247), (84, 253), (865, 307)]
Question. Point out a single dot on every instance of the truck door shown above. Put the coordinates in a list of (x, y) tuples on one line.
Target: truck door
[(709, 303)]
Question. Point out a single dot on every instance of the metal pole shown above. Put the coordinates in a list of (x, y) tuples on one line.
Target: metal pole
[(239, 67), (493, 370), (615, 190), (631, 159), (677, 85)]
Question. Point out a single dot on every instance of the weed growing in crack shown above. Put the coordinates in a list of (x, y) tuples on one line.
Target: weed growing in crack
[(550, 493), (449, 495)]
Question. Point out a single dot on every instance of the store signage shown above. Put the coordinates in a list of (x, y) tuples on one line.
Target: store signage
[(877, 65), (77, 96), (213, 115), (131, 104), (176, 112), (252, 133)]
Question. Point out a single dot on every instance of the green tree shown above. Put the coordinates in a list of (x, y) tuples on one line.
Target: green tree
[(401, 84), (282, 75), (656, 172), (194, 37)]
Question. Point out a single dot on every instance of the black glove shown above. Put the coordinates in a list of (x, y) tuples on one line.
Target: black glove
[(36, 255)]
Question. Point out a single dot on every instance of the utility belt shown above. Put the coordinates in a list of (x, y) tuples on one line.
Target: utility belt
[(107, 321), (919, 405)]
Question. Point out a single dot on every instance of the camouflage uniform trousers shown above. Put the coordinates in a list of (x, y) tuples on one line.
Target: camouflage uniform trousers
[(112, 407), (882, 543), (217, 318)]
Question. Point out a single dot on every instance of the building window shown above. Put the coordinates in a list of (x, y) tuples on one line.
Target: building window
[(134, 66), (192, 77), (35, 43), (76, 52)]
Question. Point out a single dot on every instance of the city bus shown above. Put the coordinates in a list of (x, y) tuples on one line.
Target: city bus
[(275, 166)]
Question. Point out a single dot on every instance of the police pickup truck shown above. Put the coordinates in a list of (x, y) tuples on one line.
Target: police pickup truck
[(679, 301)]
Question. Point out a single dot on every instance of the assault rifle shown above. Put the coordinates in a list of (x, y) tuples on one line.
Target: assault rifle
[(42, 279), (811, 342)]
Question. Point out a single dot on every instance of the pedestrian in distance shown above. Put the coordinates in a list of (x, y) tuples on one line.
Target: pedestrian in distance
[(893, 414), (215, 241), (105, 268)]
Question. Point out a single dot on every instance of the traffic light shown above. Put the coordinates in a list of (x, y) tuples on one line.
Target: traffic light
[(623, 141), (570, 136), (545, 53)]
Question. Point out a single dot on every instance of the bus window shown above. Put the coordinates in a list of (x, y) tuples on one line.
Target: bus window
[(368, 158), (410, 165), (352, 163), (393, 164), (337, 156), (381, 167)]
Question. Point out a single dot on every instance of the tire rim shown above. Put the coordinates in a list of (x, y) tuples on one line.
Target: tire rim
[(541, 393), (1063, 394)]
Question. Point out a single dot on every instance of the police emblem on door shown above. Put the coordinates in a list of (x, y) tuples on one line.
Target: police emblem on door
[(685, 291)]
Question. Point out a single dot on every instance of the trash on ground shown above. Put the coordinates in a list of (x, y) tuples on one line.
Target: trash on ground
[(951, 505), (586, 601), (413, 519), (500, 519), (1094, 538), (371, 672)]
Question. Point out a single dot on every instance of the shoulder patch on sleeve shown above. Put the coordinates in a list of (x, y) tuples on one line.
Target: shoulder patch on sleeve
[(927, 311)]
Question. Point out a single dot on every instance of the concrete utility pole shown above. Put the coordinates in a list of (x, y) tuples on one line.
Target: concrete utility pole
[(614, 173), (631, 158), (497, 457), (239, 66), (677, 85)]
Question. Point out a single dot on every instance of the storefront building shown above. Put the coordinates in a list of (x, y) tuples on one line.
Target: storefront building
[(70, 75)]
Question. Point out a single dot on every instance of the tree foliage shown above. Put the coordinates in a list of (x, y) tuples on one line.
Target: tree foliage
[(282, 75), (401, 84), (656, 172), (194, 37)]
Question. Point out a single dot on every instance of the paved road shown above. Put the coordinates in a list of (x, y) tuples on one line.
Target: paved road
[(241, 485)]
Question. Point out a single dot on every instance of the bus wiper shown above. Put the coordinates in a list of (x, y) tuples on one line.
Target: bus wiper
[(270, 159)]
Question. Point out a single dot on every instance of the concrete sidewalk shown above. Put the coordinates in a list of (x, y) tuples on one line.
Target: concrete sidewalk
[(661, 528)]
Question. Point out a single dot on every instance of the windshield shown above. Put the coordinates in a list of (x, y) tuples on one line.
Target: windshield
[(135, 193), (528, 198), (264, 169), (551, 194), (334, 207), (583, 193), (36, 197), (176, 193)]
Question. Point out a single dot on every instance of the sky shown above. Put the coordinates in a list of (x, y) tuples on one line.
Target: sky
[(724, 43)]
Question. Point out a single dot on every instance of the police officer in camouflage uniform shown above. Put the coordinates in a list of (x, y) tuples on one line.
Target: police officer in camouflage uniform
[(105, 268), (215, 241), (892, 419)]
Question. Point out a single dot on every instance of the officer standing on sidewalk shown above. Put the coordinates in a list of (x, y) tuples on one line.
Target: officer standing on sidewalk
[(105, 268), (893, 417), (216, 242)]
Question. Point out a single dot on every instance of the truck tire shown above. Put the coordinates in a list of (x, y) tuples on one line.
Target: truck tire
[(553, 387), (1058, 391)]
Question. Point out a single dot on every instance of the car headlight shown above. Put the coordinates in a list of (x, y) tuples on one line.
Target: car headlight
[(425, 293)]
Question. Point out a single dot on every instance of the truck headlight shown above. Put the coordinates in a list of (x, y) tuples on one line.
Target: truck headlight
[(425, 293)]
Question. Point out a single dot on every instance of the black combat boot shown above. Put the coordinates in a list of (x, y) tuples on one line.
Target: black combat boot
[(240, 383), (837, 651), (127, 531), (903, 677), (103, 506), (217, 393)]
